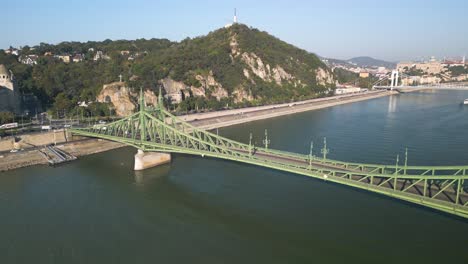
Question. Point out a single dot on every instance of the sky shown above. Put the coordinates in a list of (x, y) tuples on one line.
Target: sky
[(390, 30)]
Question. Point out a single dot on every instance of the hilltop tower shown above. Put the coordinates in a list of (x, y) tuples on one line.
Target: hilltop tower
[(234, 20), (235, 16)]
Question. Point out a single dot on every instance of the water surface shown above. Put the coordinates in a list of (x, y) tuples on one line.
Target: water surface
[(200, 210)]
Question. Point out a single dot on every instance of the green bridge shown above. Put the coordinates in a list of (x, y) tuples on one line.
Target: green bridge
[(156, 130)]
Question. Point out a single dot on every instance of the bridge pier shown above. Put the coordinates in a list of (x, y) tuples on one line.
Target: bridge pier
[(150, 159)]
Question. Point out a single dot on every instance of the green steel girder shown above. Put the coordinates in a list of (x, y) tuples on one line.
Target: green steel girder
[(439, 187)]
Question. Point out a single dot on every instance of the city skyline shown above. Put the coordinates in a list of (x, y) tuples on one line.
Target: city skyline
[(337, 29)]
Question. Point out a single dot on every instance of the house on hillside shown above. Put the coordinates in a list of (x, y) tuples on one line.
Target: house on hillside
[(100, 56), (65, 58), (28, 59), (78, 58), (364, 74), (12, 51)]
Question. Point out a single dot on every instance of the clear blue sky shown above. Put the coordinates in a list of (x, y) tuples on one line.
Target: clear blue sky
[(391, 30)]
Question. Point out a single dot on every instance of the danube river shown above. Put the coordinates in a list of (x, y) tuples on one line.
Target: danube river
[(200, 210)]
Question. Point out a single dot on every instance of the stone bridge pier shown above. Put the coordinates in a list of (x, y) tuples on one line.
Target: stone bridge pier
[(146, 160)]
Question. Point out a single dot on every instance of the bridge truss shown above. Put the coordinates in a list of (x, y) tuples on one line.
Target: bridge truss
[(155, 129)]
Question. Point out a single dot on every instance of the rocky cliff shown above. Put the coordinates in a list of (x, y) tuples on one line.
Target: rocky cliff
[(123, 99)]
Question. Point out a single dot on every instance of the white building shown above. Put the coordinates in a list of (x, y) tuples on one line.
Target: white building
[(348, 90), (28, 59), (100, 56)]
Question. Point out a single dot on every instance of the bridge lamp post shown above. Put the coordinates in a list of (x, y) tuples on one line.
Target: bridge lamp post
[(266, 141), (250, 144), (396, 172), (406, 160), (311, 154), (325, 150)]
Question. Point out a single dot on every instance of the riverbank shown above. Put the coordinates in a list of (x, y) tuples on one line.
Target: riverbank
[(78, 146)]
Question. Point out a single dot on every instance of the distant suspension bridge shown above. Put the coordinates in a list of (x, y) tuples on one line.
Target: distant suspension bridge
[(394, 81)]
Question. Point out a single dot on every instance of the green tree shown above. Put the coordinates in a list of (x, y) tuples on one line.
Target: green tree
[(6, 117)]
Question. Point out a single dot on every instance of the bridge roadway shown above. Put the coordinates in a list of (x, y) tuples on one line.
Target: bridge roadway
[(407, 89)]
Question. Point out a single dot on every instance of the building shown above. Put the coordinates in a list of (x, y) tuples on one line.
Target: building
[(78, 58), (430, 67), (364, 74), (100, 56), (348, 90), (65, 58), (428, 79), (9, 97), (28, 59), (12, 51), (453, 63)]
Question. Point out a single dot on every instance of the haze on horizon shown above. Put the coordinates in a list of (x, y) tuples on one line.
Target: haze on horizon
[(393, 31)]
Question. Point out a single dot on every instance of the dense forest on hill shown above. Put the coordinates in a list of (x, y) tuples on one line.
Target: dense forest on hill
[(143, 62)]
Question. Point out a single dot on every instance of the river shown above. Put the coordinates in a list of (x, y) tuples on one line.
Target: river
[(201, 210)]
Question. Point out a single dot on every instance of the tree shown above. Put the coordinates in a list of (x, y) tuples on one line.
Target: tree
[(62, 105), (6, 117)]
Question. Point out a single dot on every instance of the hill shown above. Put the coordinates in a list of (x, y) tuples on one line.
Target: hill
[(230, 66), (371, 62)]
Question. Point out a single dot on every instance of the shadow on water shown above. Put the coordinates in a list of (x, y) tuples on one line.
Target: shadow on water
[(152, 176)]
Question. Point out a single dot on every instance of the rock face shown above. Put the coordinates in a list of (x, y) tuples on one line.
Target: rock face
[(240, 94), (255, 66), (324, 77), (265, 72), (120, 96), (208, 83), (125, 102), (208, 86), (174, 90)]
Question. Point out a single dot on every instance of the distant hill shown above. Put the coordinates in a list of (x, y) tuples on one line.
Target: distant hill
[(371, 62)]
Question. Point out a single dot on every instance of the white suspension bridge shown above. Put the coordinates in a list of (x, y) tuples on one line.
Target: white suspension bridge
[(394, 81)]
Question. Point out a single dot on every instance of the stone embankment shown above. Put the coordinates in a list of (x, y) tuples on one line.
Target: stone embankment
[(78, 146), (32, 156)]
